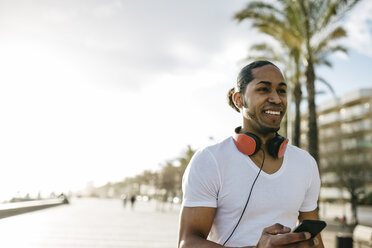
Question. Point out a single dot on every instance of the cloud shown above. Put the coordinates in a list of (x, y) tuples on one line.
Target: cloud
[(125, 43), (359, 28)]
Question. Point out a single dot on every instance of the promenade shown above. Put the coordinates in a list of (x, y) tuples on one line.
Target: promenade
[(91, 223), (100, 223)]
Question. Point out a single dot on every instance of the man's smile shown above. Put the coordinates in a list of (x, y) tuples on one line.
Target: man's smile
[(272, 112)]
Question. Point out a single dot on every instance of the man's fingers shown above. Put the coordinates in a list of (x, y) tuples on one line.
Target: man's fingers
[(278, 235), (304, 244), (290, 238), (276, 229)]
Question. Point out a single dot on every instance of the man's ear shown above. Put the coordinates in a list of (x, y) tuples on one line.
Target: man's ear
[(237, 98)]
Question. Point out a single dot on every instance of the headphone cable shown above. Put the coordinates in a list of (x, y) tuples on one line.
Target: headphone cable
[(249, 196)]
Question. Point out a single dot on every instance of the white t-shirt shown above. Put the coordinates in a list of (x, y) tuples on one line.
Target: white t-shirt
[(220, 176)]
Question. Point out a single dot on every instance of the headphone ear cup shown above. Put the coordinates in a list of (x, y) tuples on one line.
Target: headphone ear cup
[(247, 143), (277, 146)]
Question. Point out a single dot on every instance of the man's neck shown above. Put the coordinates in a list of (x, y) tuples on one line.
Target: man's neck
[(263, 136)]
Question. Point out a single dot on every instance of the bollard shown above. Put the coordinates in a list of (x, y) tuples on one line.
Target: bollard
[(344, 240)]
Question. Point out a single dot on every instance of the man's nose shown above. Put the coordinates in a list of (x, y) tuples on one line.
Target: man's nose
[(274, 97)]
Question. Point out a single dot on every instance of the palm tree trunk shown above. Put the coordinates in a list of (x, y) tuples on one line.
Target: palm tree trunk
[(297, 122), (312, 122), (284, 126), (312, 132)]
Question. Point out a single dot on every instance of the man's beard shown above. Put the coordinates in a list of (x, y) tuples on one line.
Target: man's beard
[(261, 128)]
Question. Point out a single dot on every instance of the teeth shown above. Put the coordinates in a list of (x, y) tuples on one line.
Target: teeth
[(272, 112)]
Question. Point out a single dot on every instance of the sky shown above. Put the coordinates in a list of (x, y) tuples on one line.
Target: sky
[(99, 90)]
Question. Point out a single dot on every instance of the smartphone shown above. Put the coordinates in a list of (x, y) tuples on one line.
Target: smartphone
[(312, 226)]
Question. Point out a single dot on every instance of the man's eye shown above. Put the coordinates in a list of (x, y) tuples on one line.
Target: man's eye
[(282, 91), (264, 89)]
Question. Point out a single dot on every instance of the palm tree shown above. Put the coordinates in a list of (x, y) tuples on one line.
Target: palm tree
[(308, 30), (319, 29)]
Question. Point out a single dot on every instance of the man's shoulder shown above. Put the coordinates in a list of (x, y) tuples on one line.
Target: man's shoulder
[(220, 146), (296, 149), (299, 152), (215, 151)]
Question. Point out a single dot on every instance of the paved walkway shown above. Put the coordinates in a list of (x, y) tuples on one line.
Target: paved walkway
[(99, 223), (91, 223), (329, 235)]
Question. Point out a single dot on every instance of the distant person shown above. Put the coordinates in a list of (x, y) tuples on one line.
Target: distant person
[(247, 189), (132, 201), (343, 221), (125, 200)]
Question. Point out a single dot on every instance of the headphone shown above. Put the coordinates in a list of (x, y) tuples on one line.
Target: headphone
[(250, 144)]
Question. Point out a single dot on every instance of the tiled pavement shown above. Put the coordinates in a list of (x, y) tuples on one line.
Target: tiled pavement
[(99, 223), (91, 223)]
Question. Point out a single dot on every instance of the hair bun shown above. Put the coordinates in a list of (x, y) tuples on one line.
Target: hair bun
[(230, 99)]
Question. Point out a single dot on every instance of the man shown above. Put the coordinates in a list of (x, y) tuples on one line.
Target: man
[(238, 199)]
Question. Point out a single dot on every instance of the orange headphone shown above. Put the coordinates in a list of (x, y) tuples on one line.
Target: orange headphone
[(250, 144)]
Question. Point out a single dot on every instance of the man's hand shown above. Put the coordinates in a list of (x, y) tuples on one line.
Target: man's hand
[(278, 235)]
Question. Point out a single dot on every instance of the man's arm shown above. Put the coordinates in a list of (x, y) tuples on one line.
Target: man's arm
[(312, 215), (196, 223)]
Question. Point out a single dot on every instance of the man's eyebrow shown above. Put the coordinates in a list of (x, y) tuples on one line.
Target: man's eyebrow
[(264, 82), (269, 83)]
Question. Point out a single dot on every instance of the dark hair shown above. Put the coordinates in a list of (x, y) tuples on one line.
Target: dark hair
[(244, 77)]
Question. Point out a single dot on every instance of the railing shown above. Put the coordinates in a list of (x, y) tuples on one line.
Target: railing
[(14, 208)]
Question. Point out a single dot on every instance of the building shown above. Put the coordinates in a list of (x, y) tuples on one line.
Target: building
[(345, 133)]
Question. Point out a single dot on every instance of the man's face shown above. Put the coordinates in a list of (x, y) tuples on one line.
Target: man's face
[(265, 100)]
